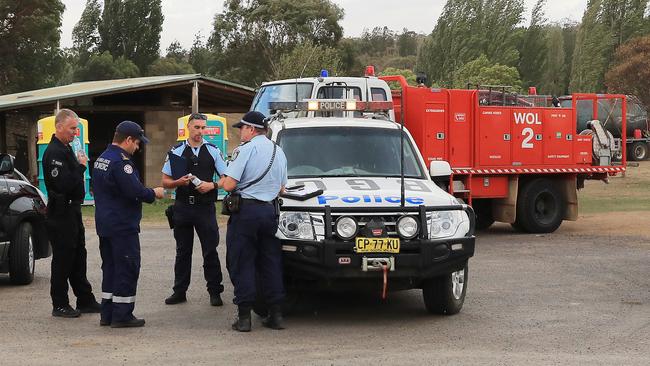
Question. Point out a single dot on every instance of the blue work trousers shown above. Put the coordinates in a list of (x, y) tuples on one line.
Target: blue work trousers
[(254, 253), (120, 272)]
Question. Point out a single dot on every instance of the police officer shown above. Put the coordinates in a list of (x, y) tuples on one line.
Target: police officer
[(118, 210), (194, 208), (64, 181), (253, 250)]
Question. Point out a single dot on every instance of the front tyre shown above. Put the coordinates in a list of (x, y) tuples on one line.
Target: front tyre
[(446, 294), (21, 256)]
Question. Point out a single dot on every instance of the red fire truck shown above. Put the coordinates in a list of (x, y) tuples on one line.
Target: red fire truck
[(515, 159)]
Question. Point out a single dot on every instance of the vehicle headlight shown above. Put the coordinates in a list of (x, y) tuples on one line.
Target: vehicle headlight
[(346, 227), (296, 225), (446, 224), (407, 227)]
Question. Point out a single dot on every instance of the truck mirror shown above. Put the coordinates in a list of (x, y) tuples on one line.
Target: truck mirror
[(439, 169), (6, 164)]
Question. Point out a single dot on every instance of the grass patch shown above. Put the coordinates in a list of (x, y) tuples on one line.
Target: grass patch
[(151, 213)]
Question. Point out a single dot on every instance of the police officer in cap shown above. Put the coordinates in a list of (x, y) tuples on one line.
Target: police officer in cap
[(118, 209), (64, 181), (194, 209), (258, 171)]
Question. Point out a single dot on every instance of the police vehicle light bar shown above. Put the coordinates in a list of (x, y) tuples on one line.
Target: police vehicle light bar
[(330, 105)]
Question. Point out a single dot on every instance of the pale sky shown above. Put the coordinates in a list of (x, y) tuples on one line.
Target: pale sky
[(184, 18)]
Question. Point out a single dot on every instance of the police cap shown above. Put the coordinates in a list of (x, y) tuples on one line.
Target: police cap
[(129, 128), (252, 118)]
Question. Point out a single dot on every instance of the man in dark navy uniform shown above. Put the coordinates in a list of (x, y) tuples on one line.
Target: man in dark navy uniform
[(194, 209), (64, 181), (258, 171), (118, 199)]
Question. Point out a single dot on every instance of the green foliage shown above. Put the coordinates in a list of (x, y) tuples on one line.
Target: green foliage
[(630, 71), (29, 44), (131, 28), (554, 79), (105, 67), (380, 40), (483, 72), (85, 34), (606, 25), (250, 36), (534, 48), (407, 43), (177, 52), (307, 60), (467, 29), (200, 56), (170, 66)]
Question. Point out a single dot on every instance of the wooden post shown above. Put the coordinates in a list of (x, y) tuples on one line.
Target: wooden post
[(195, 97)]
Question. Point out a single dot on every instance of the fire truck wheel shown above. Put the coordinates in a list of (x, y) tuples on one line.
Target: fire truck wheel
[(540, 206), (638, 151), (446, 294), (483, 211)]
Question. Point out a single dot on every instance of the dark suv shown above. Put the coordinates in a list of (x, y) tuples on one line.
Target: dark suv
[(23, 237)]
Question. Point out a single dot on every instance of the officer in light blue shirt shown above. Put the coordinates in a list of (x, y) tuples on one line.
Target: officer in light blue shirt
[(258, 171)]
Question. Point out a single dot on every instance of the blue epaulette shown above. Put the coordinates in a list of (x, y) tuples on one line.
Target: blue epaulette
[(178, 145)]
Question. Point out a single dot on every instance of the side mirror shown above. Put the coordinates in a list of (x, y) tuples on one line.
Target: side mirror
[(439, 169), (6, 164)]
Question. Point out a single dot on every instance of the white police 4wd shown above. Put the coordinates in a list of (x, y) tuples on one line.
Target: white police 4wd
[(369, 228)]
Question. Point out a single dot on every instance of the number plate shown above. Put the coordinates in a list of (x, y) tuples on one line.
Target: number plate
[(377, 245)]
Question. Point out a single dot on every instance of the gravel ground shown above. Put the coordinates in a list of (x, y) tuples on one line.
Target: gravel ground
[(564, 298)]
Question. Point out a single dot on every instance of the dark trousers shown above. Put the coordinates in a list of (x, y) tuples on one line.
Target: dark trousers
[(120, 272), (203, 219), (255, 252), (67, 237)]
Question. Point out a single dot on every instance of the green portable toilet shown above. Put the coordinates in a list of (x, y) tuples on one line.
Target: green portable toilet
[(216, 133), (46, 129)]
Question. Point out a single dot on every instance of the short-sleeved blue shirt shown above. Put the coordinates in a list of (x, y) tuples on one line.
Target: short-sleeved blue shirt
[(219, 162), (250, 160)]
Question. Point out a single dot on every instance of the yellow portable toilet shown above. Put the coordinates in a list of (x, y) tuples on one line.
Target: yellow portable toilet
[(216, 133), (46, 129)]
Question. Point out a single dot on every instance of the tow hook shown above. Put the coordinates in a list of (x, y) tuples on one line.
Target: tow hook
[(379, 264)]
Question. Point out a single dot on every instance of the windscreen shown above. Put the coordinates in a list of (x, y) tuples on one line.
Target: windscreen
[(347, 152), (280, 93)]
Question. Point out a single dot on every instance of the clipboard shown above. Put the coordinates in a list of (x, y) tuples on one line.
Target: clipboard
[(301, 194), (178, 165)]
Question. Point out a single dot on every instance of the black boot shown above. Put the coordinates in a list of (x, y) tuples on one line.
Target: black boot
[(176, 298), (274, 320), (243, 321)]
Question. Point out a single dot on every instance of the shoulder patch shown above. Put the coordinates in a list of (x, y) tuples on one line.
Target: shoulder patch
[(55, 172), (178, 145), (56, 162), (235, 154), (128, 169)]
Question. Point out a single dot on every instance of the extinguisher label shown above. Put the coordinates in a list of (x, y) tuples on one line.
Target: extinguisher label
[(459, 117)]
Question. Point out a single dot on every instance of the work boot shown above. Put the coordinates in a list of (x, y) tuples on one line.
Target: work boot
[(131, 323), (176, 298), (93, 307), (65, 311), (274, 320), (243, 321), (215, 300), (104, 322)]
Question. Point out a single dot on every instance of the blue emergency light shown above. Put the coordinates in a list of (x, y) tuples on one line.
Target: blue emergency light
[(324, 73)]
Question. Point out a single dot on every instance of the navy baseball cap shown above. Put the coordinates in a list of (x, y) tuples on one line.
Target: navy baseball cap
[(129, 128), (252, 118)]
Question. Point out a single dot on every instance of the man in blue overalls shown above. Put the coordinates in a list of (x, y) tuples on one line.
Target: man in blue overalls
[(194, 208), (118, 209), (258, 171)]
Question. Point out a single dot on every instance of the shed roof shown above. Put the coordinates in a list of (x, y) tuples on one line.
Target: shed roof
[(104, 87)]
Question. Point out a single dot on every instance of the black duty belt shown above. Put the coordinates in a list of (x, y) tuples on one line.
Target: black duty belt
[(194, 199), (253, 201)]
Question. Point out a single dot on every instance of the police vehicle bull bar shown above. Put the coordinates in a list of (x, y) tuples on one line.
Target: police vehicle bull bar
[(421, 210)]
